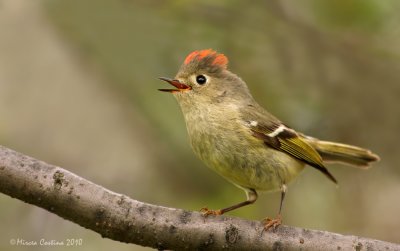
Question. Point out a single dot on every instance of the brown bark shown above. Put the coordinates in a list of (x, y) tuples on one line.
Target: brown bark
[(121, 218)]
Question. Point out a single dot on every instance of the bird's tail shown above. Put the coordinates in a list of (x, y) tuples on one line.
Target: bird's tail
[(346, 154)]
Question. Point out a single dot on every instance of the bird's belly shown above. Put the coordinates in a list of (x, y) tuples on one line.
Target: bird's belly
[(251, 166)]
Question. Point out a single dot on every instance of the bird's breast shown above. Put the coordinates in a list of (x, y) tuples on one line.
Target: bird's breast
[(227, 146)]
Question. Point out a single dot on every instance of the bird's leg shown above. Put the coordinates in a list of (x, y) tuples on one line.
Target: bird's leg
[(251, 198), (268, 223)]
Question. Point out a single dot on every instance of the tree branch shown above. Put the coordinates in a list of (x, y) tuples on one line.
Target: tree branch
[(121, 218)]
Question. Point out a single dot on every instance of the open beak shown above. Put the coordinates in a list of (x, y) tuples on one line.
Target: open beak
[(176, 83)]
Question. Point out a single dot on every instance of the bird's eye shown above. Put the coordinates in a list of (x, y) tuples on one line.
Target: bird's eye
[(201, 79)]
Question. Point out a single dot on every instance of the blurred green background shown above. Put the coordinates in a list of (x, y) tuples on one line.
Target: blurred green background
[(78, 88)]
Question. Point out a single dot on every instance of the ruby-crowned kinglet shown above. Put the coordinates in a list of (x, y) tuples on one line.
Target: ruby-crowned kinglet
[(240, 140)]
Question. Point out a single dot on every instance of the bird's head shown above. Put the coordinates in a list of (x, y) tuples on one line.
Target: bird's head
[(204, 77)]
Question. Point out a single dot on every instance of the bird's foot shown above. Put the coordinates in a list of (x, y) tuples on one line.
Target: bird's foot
[(274, 223), (206, 212)]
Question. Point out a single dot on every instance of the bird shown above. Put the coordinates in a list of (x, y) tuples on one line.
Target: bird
[(241, 141)]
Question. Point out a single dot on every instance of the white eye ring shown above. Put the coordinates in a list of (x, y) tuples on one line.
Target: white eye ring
[(200, 79)]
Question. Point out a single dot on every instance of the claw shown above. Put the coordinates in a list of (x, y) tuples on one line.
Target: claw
[(274, 223), (206, 212)]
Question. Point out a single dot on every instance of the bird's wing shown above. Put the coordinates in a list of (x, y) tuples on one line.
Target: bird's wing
[(282, 138)]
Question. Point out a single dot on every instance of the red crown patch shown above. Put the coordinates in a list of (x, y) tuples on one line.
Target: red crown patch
[(219, 59)]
